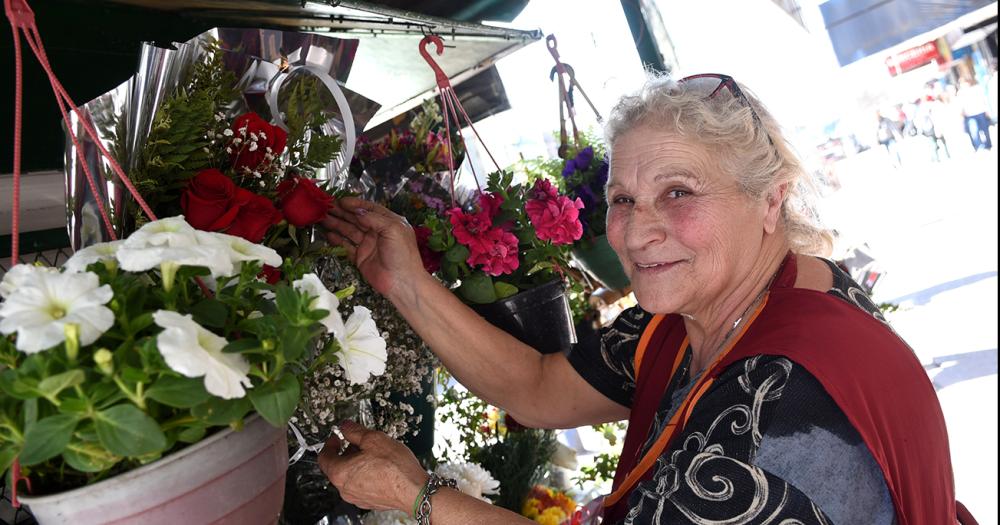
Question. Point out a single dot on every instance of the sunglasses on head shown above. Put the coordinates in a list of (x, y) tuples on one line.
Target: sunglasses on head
[(713, 83)]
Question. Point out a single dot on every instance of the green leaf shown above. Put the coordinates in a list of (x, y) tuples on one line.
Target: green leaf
[(276, 400), (47, 438), (51, 386), (287, 300), (247, 344), (539, 267), (7, 455), (16, 387), (457, 253), (504, 290), (191, 434), (178, 392), (478, 289), (218, 411), (293, 343), (210, 312), (125, 430), (87, 456)]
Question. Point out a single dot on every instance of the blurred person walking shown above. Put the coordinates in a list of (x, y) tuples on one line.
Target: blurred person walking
[(889, 137), (973, 102)]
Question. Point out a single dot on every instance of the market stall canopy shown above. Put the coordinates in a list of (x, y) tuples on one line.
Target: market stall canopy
[(93, 47)]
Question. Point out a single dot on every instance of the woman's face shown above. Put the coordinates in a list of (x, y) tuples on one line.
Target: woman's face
[(685, 232)]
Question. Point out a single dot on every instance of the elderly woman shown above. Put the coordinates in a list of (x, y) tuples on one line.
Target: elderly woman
[(760, 383)]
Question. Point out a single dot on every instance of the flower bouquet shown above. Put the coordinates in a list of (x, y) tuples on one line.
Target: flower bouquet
[(137, 348), (548, 506)]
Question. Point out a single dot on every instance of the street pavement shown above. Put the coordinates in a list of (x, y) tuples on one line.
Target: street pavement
[(932, 228)]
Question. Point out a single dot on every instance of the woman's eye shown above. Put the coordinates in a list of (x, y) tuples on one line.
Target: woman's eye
[(620, 199), (676, 194)]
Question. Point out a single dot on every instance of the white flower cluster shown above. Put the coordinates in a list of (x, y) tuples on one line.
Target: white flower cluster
[(39, 302), (473, 480)]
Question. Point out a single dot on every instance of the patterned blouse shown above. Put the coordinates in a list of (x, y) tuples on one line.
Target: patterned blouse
[(766, 444)]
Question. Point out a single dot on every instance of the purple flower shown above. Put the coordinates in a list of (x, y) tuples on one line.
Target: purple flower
[(601, 178), (584, 157)]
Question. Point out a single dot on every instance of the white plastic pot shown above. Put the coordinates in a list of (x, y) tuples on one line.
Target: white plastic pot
[(229, 477)]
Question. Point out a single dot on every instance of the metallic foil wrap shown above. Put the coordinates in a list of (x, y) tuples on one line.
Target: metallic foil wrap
[(261, 59)]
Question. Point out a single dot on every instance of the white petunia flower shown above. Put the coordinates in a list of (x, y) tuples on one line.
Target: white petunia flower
[(173, 241), (20, 275), (240, 249), (472, 479), (39, 309), (193, 351), (91, 254), (172, 231), (362, 349), (323, 299)]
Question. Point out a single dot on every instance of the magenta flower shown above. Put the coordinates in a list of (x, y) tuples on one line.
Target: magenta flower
[(556, 219), (468, 227), (544, 190), (489, 203), (496, 251)]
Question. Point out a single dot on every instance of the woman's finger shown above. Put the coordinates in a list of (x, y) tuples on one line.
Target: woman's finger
[(336, 239), (345, 229)]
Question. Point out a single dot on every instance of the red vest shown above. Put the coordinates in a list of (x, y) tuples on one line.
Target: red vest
[(870, 373)]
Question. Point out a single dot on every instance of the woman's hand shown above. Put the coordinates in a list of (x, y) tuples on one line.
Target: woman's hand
[(376, 472), (380, 243)]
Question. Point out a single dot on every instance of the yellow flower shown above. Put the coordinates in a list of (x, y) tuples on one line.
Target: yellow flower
[(530, 509), (551, 516)]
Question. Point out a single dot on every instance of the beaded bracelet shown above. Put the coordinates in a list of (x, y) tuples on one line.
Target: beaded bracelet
[(422, 505)]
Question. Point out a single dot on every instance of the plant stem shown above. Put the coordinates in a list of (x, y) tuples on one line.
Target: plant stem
[(136, 398)]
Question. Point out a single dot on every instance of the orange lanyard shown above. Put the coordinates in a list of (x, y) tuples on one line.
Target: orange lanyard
[(682, 414)]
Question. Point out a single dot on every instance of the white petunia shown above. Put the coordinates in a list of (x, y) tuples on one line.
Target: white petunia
[(215, 258), (240, 249), (173, 241), (472, 479), (20, 275), (193, 351), (362, 349), (91, 254), (39, 309), (323, 299), (172, 231)]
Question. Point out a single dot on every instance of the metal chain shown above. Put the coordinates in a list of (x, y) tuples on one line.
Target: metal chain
[(435, 482)]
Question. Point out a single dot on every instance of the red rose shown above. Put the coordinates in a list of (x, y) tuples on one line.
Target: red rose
[(209, 201), (270, 274), (430, 258), (254, 218), (259, 142), (302, 202)]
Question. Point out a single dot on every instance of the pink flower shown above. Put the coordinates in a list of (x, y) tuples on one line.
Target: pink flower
[(496, 251), (489, 203), (468, 227), (556, 219), (544, 190)]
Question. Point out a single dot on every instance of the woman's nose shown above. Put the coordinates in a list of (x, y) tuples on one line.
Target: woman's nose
[(645, 228)]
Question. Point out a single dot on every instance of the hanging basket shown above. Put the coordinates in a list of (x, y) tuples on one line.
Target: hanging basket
[(600, 261), (230, 477), (539, 317)]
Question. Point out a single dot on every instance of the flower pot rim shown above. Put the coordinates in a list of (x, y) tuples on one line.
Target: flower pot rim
[(125, 477)]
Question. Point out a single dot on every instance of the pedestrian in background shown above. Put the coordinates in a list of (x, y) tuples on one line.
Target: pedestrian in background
[(974, 107), (888, 137)]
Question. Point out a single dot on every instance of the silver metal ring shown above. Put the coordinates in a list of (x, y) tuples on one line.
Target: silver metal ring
[(344, 443)]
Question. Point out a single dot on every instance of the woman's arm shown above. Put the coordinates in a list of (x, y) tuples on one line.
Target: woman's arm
[(379, 473), (539, 390)]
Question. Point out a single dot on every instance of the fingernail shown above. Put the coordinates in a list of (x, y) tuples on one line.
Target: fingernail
[(360, 211)]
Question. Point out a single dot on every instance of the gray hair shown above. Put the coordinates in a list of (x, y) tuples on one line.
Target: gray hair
[(753, 151)]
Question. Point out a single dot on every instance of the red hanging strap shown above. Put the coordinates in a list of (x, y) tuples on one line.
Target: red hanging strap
[(22, 21), (451, 107), (564, 71)]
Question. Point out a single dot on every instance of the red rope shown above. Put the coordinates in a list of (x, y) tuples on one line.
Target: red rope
[(15, 243)]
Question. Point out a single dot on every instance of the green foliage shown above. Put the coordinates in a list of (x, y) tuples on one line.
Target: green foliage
[(518, 459), (178, 145), (305, 115), (605, 463), (116, 404)]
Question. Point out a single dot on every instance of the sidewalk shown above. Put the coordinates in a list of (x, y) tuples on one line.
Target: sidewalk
[(933, 229)]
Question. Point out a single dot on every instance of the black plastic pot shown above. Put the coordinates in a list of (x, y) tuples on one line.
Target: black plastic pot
[(539, 317)]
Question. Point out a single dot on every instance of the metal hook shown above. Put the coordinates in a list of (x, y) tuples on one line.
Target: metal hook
[(550, 42), (442, 79)]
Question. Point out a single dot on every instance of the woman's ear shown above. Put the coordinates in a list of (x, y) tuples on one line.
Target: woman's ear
[(775, 200)]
